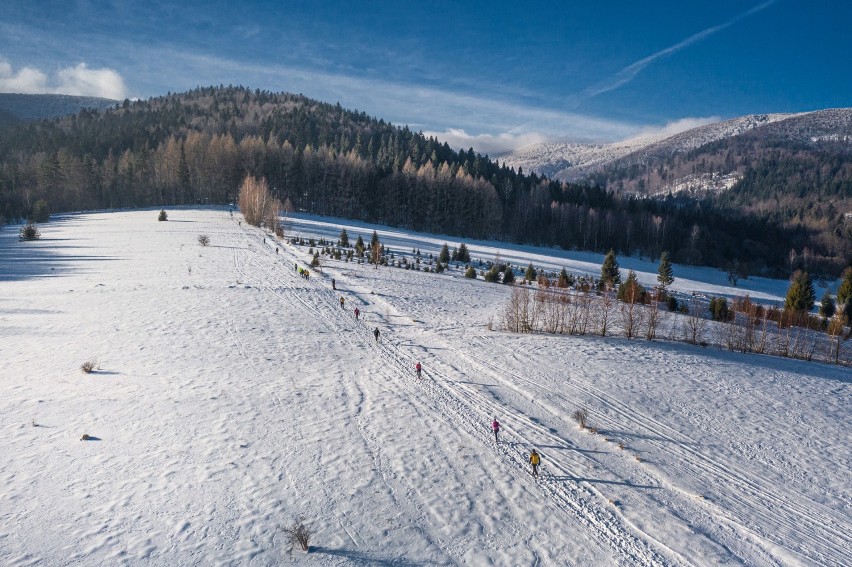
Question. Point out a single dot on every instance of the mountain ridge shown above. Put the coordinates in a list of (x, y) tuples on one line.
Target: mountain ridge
[(30, 107)]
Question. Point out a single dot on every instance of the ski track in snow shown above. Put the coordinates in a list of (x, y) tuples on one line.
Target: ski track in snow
[(254, 397)]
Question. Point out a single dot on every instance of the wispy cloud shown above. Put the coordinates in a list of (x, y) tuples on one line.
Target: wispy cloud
[(630, 72), (79, 80)]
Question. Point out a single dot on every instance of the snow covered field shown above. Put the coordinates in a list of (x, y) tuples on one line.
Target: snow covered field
[(232, 395)]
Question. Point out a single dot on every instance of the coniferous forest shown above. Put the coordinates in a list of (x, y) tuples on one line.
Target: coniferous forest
[(196, 147)]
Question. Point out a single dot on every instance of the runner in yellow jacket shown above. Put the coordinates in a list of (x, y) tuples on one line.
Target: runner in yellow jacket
[(535, 460)]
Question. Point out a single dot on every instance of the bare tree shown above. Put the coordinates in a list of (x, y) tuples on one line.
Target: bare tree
[(605, 309), (653, 316), (694, 323)]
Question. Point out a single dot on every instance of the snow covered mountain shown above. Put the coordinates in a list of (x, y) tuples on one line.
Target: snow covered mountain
[(631, 159)]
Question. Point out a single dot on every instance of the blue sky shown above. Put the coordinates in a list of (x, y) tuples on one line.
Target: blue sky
[(491, 75)]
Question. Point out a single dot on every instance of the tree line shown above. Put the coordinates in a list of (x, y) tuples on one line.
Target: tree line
[(197, 147)]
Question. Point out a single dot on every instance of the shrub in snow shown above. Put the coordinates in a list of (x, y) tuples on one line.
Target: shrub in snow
[(89, 366), (203, 239), (163, 216), (470, 273), (581, 416), (30, 232), (299, 533)]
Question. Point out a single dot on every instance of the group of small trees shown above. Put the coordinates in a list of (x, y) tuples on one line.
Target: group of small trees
[(635, 311)]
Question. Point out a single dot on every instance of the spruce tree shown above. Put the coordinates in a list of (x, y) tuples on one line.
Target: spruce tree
[(508, 275), (564, 279), (470, 273), (464, 253), (444, 256), (530, 275), (665, 274), (844, 294), (359, 246), (344, 239), (631, 291), (827, 306), (610, 275), (800, 295)]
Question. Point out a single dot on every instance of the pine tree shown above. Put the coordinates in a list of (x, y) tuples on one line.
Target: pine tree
[(530, 274), (665, 274), (827, 306), (344, 239), (801, 295), (444, 256), (470, 273), (610, 275), (359, 246)]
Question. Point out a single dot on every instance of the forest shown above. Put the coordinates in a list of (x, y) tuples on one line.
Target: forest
[(196, 147)]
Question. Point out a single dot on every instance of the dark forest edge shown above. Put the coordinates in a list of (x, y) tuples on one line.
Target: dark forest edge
[(196, 147)]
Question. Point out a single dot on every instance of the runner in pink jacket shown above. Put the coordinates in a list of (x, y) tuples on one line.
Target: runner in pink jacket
[(495, 427)]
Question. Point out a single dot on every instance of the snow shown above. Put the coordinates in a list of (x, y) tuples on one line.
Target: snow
[(233, 395), (572, 162)]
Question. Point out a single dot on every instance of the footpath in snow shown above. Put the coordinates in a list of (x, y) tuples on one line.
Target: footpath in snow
[(232, 395)]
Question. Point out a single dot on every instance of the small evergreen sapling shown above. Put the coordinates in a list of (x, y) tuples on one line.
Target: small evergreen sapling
[(30, 232), (163, 216)]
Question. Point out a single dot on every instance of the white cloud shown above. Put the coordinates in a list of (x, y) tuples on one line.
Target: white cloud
[(79, 80), (488, 143), (82, 81), (26, 80)]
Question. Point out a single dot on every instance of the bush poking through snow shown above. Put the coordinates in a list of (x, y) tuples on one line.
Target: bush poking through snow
[(299, 533), (89, 366), (30, 232), (581, 416), (203, 239), (163, 216)]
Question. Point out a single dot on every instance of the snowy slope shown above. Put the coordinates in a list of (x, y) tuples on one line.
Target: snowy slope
[(233, 395), (571, 162)]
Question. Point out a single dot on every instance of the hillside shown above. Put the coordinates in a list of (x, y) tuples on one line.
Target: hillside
[(197, 147), (29, 107), (233, 395)]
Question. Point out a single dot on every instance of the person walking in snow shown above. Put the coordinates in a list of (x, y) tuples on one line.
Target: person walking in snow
[(418, 369), (535, 461), (342, 301), (333, 285), (495, 427), (376, 334), (357, 312)]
